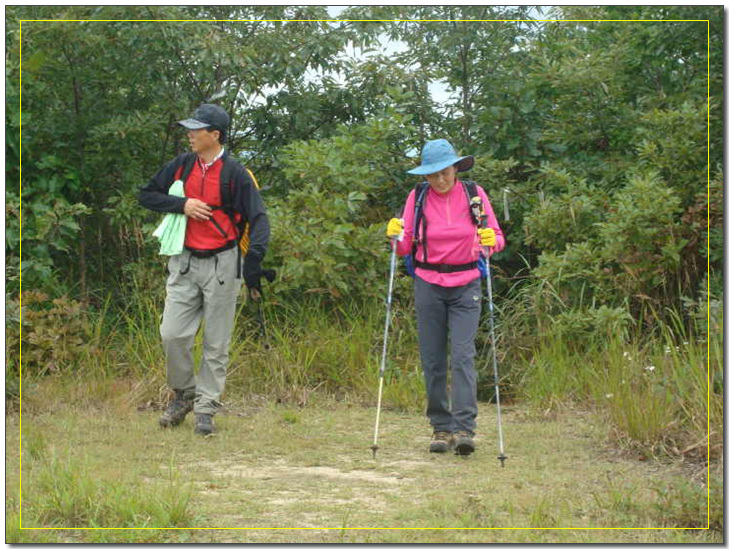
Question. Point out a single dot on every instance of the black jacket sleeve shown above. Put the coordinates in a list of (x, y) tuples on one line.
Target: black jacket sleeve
[(247, 200), (154, 195)]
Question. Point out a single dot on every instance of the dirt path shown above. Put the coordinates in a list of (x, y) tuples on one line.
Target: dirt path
[(273, 468)]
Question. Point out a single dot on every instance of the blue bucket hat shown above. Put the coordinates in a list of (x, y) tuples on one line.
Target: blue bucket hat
[(438, 155)]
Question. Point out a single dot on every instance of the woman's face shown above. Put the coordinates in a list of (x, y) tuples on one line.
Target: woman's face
[(443, 180)]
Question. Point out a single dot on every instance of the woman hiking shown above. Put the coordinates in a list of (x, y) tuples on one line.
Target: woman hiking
[(447, 286)]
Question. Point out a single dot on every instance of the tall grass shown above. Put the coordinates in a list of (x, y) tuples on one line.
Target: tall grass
[(650, 380), (314, 348), (334, 351), (656, 386)]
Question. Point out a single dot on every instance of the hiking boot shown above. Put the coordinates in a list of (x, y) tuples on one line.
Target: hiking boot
[(177, 409), (204, 424), (441, 442), (464, 444)]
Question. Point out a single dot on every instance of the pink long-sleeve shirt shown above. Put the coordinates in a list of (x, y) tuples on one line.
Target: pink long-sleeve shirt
[(451, 235)]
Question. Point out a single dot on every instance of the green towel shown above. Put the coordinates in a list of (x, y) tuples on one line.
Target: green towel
[(171, 232)]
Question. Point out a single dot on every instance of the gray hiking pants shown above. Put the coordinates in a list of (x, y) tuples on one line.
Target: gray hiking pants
[(441, 311), (200, 289)]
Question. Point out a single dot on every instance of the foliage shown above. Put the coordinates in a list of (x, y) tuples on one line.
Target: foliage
[(567, 113), (640, 234), (650, 382), (329, 235), (100, 101), (633, 253), (56, 334), (565, 218)]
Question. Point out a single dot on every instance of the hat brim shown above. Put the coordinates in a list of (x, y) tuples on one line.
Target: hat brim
[(463, 164), (192, 124)]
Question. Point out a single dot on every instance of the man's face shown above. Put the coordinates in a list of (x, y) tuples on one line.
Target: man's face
[(203, 140)]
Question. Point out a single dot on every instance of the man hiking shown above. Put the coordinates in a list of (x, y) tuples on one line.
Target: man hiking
[(220, 202)]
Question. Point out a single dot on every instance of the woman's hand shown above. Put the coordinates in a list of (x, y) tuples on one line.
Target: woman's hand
[(395, 228), (487, 237)]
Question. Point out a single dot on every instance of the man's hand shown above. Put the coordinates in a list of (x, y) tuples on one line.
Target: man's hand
[(487, 237), (252, 272), (197, 209)]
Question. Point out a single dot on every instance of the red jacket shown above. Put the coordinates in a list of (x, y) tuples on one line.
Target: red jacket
[(207, 235), (218, 231)]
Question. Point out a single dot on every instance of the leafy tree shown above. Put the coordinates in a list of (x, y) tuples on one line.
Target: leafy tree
[(101, 100), (571, 121)]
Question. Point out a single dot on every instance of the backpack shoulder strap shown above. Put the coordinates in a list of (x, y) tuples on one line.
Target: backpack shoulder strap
[(420, 192), (188, 163), (245, 228), (471, 191), (420, 195), (231, 167), (227, 173)]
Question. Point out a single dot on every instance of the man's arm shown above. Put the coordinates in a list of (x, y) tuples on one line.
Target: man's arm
[(247, 200), (154, 194)]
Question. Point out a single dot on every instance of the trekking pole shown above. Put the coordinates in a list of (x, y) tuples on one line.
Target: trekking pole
[(257, 297), (483, 224), (375, 447)]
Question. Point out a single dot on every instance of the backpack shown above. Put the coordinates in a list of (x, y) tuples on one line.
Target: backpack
[(419, 218), (226, 198)]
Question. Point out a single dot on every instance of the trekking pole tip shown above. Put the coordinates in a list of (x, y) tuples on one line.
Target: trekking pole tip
[(374, 449), (502, 458)]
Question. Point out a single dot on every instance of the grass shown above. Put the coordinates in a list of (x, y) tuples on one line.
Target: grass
[(651, 386), (289, 466), (312, 348), (654, 390), (293, 448), (64, 494)]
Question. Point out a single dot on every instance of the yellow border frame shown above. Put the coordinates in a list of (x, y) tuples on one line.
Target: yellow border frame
[(708, 258)]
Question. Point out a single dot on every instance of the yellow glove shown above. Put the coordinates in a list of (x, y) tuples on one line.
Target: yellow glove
[(488, 237), (394, 228)]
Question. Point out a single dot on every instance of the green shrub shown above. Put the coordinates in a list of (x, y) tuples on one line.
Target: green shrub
[(565, 218), (578, 275), (593, 325), (641, 235), (329, 236), (57, 333)]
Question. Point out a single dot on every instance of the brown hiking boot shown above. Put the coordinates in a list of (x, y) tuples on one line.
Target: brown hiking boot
[(177, 409), (441, 442), (463, 442)]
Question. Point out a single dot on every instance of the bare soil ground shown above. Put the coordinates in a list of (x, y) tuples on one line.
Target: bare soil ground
[(275, 473)]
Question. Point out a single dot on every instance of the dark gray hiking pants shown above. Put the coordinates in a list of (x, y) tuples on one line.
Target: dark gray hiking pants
[(200, 289), (442, 311)]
